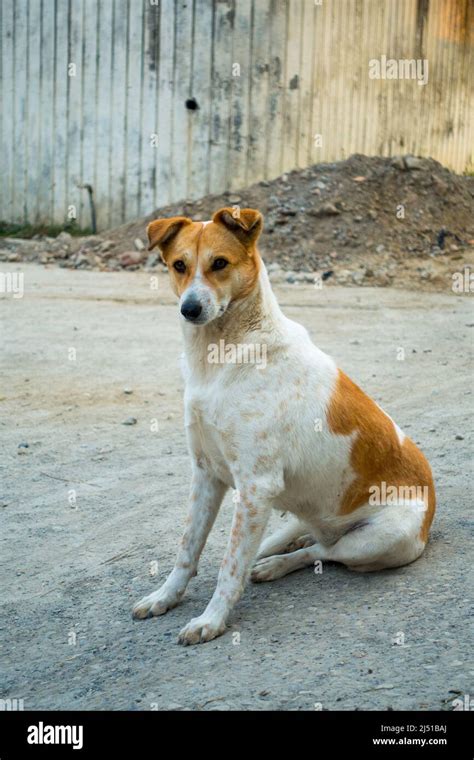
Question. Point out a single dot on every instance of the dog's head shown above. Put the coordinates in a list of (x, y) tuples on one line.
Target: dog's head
[(211, 264)]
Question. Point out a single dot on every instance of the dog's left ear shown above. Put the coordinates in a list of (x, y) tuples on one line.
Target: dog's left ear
[(246, 223), (162, 231)]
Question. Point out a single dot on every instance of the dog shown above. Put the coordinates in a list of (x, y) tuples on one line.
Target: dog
[(296, 435)]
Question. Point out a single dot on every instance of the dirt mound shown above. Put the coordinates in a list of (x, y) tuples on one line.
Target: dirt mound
[(401, 221)]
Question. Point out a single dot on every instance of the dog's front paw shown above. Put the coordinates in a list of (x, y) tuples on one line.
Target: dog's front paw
[(156, 603), (201, 629)]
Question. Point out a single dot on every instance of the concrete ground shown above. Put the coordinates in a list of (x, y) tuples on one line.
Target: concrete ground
[(92, 510)]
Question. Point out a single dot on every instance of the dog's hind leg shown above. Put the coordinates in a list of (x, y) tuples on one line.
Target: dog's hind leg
[(290, 536), (390, 538)]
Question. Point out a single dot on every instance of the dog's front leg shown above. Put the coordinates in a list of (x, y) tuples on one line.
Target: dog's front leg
[(250, 518), (204, 501)]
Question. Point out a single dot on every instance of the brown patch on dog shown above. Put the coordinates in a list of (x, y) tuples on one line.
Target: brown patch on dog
[(377, 455), (236, 532)]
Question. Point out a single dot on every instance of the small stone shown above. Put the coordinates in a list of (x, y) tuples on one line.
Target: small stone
[(130, 421), (80, 261), (128, 391), (459, 438), (398, 163), (413, 163), (327, 209), (234, 198), (441, 188), (139, 244), (380, 248), (24, 445), (91, 241), (64, 237), (106, 246), (131, 258)]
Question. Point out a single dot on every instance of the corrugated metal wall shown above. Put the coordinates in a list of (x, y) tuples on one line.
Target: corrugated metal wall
[(266, 75)]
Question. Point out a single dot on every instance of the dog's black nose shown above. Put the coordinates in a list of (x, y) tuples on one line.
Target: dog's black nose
[(191, 310)]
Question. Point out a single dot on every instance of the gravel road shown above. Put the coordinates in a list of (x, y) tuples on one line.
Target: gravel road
[(92, 509)]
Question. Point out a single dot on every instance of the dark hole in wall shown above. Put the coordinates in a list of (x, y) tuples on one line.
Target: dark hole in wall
[(191, 104)]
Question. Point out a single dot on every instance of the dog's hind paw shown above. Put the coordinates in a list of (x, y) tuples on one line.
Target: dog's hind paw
[(269, 568)]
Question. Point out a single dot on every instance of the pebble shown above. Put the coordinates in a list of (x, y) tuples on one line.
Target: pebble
[(131, 258), (398, 163), (327, 209), (128, 391), (413, 162), (106, 246), (130, 421)]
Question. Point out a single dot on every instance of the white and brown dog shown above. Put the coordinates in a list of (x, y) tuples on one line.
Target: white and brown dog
[(297, 435)]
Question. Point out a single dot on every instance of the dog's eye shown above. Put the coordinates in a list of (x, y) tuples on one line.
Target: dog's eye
[(219, 264), (180, 266)]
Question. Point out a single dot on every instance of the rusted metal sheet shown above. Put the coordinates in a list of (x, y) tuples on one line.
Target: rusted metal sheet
[(157, 101)]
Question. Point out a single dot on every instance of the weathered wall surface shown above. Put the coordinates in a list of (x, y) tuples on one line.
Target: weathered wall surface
[(95, 93)]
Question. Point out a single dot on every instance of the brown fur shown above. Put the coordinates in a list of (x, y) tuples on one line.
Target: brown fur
[(377, 454)]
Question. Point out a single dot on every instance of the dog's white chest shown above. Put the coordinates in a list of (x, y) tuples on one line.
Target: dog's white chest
[(206, 436)]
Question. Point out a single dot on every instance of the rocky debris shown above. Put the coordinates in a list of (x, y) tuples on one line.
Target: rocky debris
[(386, 221)]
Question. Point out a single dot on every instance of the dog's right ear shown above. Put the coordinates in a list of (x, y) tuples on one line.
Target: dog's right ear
[(162, 231)]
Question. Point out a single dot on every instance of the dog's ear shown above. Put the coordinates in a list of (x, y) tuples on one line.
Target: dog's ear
[(162, 231), (245, 223)]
